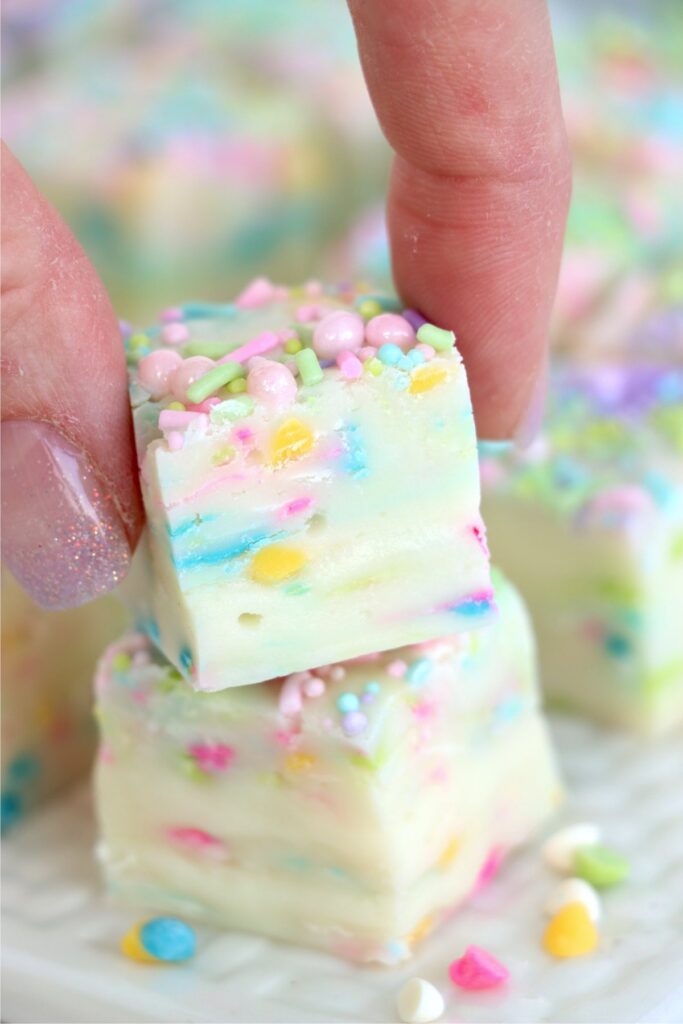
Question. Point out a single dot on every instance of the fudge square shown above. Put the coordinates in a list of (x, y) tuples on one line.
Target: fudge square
[(588, 523), (351, 807), (309, 470)]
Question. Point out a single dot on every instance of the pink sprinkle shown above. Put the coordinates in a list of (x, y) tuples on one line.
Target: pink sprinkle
[(337, 673), (337, 332), (313, 289), (205, 406), (480, 535), (367, 352), (477, 970), (257, 293), (198, 841), (315, 687), (305, 314), (258, 346), (286, 335), (290, 702), (427, 351), (389, 329), (350, 365), (292, 508), (189, 371), (244, 435), (490, 868), (271, 384), (156, 370), (174, 334), (175, 440), (213, 757), (172, 313), (397, 668), (175, 419)]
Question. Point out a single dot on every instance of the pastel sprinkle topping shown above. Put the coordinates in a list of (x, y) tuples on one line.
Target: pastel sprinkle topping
[(600, 866), (477, 969), (275, 563), (160, 940), (309, 368), (419, 1002), (437, 337), (570, 932), (213, 381), (291, 440)]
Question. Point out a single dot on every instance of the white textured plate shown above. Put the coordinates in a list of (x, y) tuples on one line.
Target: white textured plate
[(60, 938)]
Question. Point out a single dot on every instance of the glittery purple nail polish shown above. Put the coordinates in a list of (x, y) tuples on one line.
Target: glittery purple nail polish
[(62, 536)]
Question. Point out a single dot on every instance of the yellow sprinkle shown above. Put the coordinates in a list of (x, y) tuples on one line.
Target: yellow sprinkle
[(293, 346), (176, 406), (369, 308), (449, 854), (291, 440), (297, 763), (374, 366), (421, 930), (276, 563), (237, 386), (424, 378), (570, 932), (133, 948)]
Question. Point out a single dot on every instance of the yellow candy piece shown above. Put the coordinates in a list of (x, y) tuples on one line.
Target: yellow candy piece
[(176, 406), (297, 763), (449, 853), (570, 932), (293, 346), (424, 378), (276, 563), (291, 440), (369, 308), (421, 930), (133, 948)]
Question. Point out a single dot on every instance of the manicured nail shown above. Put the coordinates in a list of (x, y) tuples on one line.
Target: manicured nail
[(530, 424), (62, 537)]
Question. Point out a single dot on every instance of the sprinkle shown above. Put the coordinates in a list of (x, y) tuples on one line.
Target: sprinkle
[(232, 409), (121, 662), (472, 607), (297, 763), (314, 687), (389, 354), (293, 346), (354, 723), (168, 939), (350, 365), (291, 440), (338, 331), (174, 334), (570, 932), (419, 1002), (197, 841), (257, 293), (170, 314), (424, 378), (210, 349), (309, 367), (169, 419), (600, 866), (427, 351), (415, 319), (439, 339), (449, 853), (138, 340), (237, 386), (397, 668), (216, 378), (347, 702), (574, 890), (368, 308), (207, 310), (185, 658), (258, 346), (560, 849), (418, 673), (337, 673), (156, 370), (189, 371), (477, 970), (212, 757), (372, 687), (276, 563), (374, 366), (306, 314), (176, 406), (290, 702), (389, 329)]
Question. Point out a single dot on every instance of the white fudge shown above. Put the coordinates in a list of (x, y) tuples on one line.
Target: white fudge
[(589, 524), (48, 659), (309, 471), (349, 808)]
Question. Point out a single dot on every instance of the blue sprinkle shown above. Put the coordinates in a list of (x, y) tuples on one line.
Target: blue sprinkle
[(11, 810), (150, 627), (617, 645), (509, 708), (400, 383), (207, 310), (190, 524), (167, 938), (23, 768), (233, 549), (491, 448), (418, 673), (185, 658), (472, 606), (660, 489), (373, 686), (415, 357), (347, 702), (389, 354), (397, 950), (356, 458)]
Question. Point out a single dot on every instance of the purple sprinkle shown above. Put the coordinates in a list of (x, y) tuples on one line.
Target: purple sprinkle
[(125, 328), (414, 318), (367, 698), (354, 723)]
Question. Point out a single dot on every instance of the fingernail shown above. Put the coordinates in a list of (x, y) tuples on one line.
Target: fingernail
[(62, 537), (530, 424)]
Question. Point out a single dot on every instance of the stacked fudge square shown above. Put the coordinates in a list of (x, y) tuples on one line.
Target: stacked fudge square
[(326, 728)]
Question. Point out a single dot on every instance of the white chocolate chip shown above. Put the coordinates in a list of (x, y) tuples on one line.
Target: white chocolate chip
[(560, 848), (574, 890), (418, 1002)]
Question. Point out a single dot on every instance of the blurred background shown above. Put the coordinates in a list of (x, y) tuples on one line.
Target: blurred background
[(191, 146)]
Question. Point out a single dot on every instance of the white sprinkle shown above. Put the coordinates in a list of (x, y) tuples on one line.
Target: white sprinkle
[(574, 890), (559, 850), (418, 1002)]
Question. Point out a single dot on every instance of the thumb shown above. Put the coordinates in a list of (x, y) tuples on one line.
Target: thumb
[(71, 510)]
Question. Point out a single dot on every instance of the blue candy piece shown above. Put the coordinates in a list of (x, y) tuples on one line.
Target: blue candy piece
[(11, 810), (389, 354), (347, 702), (417, 673), (169, 939)]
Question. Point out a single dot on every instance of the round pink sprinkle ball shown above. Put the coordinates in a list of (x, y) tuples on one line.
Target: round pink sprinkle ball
[(174, 334), (337, 332), (155, 370), (271, 383), (187, 373), (389, 329)]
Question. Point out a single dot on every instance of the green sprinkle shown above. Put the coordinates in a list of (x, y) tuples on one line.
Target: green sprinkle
[(309, 367), (138, 340), (210, 349), (374, 366), (387, 303), (368, 308), (293, 346), (600, 866), (213, 380), (237, 386), (120, 662), (232, 409), (439, 339)]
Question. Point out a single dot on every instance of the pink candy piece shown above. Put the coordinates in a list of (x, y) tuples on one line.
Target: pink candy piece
[(156, 369), (272, 384), (397, 669), (290, 701), (258, 346), (315, 687), (427, 351), (350, 365), (257, 293), (337, 332), (389, 329), (477, 970), (174, 334), (175, 441), (367, 352), (198, 841), (294, 507), (305, 314), (171, 314), (213, 757), (187, 373), (176, 419)]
